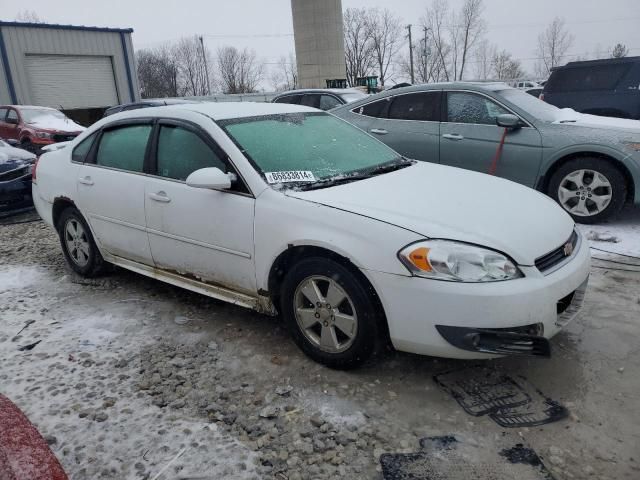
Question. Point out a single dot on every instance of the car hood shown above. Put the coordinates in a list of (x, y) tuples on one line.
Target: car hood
[(12, 158), (568, 116), (450, 203)]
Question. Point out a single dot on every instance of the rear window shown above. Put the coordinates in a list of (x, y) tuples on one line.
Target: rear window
[(592, 77)]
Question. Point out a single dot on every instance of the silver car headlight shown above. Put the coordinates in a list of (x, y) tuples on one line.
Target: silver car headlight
[(457, 262)]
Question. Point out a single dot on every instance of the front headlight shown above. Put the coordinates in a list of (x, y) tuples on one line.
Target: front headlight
[(457, 262), (44, 135)]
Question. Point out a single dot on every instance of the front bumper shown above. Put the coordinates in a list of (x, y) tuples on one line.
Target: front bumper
[(416, 307)]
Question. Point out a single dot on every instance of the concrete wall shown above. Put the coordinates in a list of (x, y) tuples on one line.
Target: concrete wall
[(18, 40), (319, 39)]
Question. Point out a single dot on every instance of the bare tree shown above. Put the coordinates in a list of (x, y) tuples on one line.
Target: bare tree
[(484, 55), (192, 59), (619, 51), (385, 31), (553, 44), (28, 16), (157, 73), (505, 67), (435, 21), (428, 64), (285, 74), (472, 28), (239, 70), (358, 44)]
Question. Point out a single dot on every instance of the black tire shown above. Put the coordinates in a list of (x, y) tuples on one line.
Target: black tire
[(95, 264), (368, 332), (602, 166)]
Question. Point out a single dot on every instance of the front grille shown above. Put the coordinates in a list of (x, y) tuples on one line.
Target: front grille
[(14, 174), (553, 258), (59, 137)]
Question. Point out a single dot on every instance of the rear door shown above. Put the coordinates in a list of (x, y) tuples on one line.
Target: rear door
[(411, 125), (470, 138), (205, 233), (111, 190)]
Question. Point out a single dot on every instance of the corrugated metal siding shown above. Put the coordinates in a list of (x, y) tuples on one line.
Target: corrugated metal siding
[(71, 81), (21, 41)]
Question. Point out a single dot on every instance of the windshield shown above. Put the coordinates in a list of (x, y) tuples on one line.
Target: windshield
[(530, 104), (352, 97), (307, 142), (30, 115)]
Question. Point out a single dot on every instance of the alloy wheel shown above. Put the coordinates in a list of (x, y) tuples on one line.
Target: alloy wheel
[(325, 314), (585, 193), (77, 243)]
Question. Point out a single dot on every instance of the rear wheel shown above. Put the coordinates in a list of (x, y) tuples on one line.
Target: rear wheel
[(77, 243), (330, 313), (590, 189)]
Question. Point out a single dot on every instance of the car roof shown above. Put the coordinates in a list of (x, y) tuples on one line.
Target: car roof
[(27, 107), (221, 110), (336, 91), (601, 61)]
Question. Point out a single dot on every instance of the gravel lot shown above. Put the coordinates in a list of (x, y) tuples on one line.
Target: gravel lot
[(133, 377)]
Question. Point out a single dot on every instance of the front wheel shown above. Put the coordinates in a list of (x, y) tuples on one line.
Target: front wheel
[(330, 313), (77, 243), (590, 189)]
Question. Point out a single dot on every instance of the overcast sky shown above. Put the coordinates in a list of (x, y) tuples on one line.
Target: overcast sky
[(266, 26)]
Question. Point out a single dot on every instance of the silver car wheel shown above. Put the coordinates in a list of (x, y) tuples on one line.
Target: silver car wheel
[(325, 314), (585, 193), (75, 238)]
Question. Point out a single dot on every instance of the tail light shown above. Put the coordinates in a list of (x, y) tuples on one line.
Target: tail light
[(34, 167)]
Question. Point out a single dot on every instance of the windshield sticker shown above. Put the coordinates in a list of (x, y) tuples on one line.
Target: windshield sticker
[(290, 176)]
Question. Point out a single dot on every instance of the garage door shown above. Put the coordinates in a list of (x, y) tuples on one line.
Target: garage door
[(68, 82)]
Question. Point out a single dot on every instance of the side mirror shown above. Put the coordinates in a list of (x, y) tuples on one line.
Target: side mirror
[(13, 142), (212, 178), (507, 120)]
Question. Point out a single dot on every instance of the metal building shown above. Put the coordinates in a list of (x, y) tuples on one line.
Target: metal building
[(319, 39), (80, 70)]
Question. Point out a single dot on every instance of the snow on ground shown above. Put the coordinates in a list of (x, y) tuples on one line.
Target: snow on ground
[(620, 235), (61, 383)]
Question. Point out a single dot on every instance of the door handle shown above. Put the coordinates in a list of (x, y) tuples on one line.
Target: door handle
[(159, 197), (86, 180), (452, 136), (378, 131)]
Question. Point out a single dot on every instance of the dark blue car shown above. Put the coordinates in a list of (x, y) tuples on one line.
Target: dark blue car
[(15, 179)]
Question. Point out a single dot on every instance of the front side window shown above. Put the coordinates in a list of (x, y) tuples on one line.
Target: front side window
[(124, 148), (80, 152), (423, 106), (465, 107), (310, 100), (182, 152), (12, 115), (327, 102), (314, 141), (374, 109), (293, 99)]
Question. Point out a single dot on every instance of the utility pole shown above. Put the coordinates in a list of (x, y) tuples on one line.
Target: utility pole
[(413, 79), (206, 67), (425, 54)]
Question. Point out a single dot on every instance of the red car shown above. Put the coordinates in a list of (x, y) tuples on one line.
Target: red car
[(35, 127)]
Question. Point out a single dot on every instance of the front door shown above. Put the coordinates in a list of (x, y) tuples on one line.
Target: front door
[(111, 191), (202, 233), (411, 125), (470, 139)]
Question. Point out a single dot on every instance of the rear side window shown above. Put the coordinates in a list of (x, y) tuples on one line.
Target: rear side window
[(375, 109), (423, 106), (79, 153), (3, 114), (294, 99), (472, 108), (124, 148), (593, 77), (182, 152)]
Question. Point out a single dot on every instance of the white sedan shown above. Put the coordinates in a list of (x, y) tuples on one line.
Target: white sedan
[(283, 208)]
